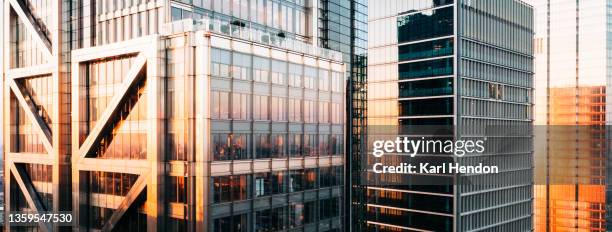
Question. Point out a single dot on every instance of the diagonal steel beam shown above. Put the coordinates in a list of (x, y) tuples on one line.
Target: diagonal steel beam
[(32, 26), (31, 71), (29, 192), (113, 105), (130, 197), (38, 122), (114, 165)]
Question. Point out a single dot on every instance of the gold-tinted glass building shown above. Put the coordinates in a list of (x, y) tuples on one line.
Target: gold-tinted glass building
[(173, 115), (572, 67)]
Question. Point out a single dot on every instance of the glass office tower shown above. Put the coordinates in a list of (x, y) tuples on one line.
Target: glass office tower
[(173, 115), (573, 79), (461, 63)]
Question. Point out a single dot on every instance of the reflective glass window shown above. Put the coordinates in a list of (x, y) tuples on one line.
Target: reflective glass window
[(433, 87), (429, 68), (425, 24), (421, 107), (429, 49)]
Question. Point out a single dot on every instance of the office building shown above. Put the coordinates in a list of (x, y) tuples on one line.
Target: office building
[(572, 106), (177, 115), (461, 63)]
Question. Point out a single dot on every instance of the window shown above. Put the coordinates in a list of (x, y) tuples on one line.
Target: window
[(260, 108), (429, 68), (221, 61), (279, 144), (295, 145), (279, 109), (433, 87), (324, 80), (295, 180), (241, 68), (176, 189), (274, 219), (336, 144), (220, 143), (426, 24), (337, 113), (323, 147), (236, 223), (436, 106), (309, 145), (279, 72), (279, 183), (337, 82), (310, 76), (230, 188), (262, 184), (323, 112), (309, 111), (263, 146), (230, 146), (295, 110), (241, 106), (496, 91), (220, 105), (310, 212), (221, 189), (310, 179), (329, 208), (239, 144), (296, 215), (261, 70), (295, 75), (429, 49)]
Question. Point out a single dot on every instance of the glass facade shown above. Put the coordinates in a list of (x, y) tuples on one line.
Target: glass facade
[(120, 133), (458, 63), (572, 84)]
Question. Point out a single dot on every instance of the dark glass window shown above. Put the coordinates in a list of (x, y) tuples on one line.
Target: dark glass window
[(435, 87), (296, 180), (429, 68), (326, 177), (413, 219), (310, 145), (230, 188), (263, 147), (262, 183), (310, 179), (420, 5), (176, 189), (220, 146), (429, 49), (432, 203), (310, 212), (436, 106), (295, 145), (235, 223), (221, 189), (424, 25), (329, 208), (324, 145), (336, 145), (426, 121), (270, 219), (296, 215), (279, 183), (279, 143), (239, 144)]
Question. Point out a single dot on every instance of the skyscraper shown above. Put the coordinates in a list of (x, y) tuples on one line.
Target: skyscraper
[(463, 63), (179, 115), (572, 89)]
